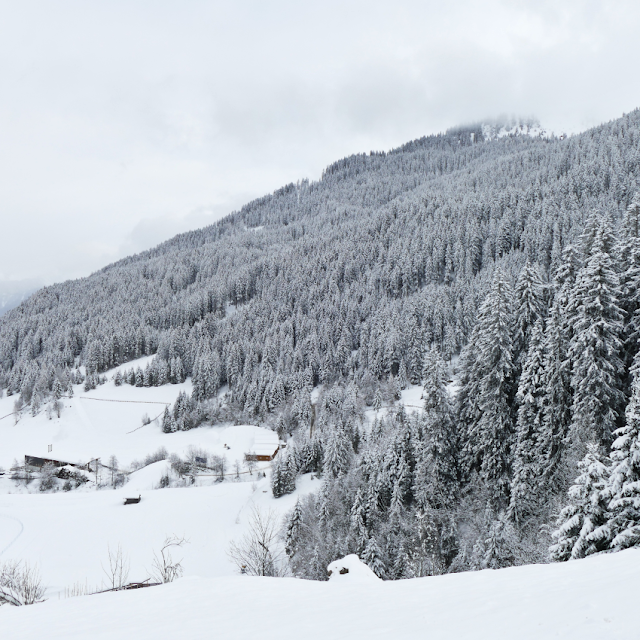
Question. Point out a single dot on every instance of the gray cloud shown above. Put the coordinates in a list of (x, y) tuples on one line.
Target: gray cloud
[(123, 123)]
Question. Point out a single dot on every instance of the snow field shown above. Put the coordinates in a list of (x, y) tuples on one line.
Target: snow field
[(67, 534), (588, 599)]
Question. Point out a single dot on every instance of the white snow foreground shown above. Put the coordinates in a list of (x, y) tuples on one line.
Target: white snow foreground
[(592, 598)]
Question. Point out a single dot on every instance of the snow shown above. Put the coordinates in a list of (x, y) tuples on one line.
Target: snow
[(108, 421), (350, 569), (67, 534), (147, 478), (411, 398), (587, 599), (531, 129), (93, 425)]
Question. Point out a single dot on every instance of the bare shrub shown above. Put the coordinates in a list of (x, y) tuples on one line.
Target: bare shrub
[(219, 466), (78, 589), (20, 584), (165, 568), (160, 454), (260, 551), (117, 570)]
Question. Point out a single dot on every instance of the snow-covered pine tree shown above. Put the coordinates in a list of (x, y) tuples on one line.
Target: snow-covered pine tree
[(440, 433), (501, 545), (168, 423), (490, 427), (293, 530), (338, 453), (358, 528), (527, 487), (623, 527), (586, 512), (595, 344), (372, 556), (557, 397), (529, 306), (283, 479), (57, 390), (628, 256)]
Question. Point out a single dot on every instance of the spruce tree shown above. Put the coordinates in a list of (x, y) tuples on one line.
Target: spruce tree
[(529, 307), (623, 528), (595, 344), (372, 557), (442, 445), (337, 455), (628, 255), (293, 529), (527, 487), (586, 513), (557, 397), (490, 430)]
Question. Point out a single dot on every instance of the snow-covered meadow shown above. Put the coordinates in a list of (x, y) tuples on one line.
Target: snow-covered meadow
[(590, 599), (68, 534)]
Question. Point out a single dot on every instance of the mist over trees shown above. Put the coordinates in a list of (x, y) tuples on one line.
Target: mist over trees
[(521, 255)]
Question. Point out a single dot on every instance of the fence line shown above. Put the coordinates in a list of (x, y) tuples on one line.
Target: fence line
[(166, 404)]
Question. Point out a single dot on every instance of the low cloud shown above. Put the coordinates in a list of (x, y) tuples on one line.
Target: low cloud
[(125, 123)]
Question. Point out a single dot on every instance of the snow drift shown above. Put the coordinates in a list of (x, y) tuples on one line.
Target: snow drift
[(593, 598)]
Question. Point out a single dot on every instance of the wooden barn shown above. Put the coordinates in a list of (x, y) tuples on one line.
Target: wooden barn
[(263, 452), (37, 463)]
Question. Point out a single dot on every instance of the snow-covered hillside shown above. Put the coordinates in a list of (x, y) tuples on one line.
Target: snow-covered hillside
[(587, 599), (108, 421), (67, 534)]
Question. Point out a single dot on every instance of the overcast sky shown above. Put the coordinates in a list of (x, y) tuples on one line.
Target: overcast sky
[(123, 123)]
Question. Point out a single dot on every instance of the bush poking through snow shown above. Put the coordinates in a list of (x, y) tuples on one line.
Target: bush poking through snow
[(48, 478), (117, 570), (260, 551), (20, 584), (165, 568)]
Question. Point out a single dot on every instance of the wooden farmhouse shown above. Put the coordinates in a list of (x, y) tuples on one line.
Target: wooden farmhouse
[(36, 462), (263, 452)]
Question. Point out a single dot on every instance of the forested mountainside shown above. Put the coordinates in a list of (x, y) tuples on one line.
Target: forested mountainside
[(520, 252)]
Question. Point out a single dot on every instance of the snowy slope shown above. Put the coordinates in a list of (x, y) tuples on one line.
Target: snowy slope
[(67, 534), (587, 599), (101, 422)]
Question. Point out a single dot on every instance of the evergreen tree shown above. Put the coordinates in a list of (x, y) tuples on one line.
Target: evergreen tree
[(586, 513), (595, 345), (338, 452), (358, 526), (283, 478), (57, 389), (440, 432), (529, 307), (501, 546), (168, 423), (293, 530), (557, 397), (628, 255), (528, 487), (372, 557), (623, 527), (489, 436)]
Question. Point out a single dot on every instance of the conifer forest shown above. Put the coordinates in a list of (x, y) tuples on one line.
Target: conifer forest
[(501, 273)]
